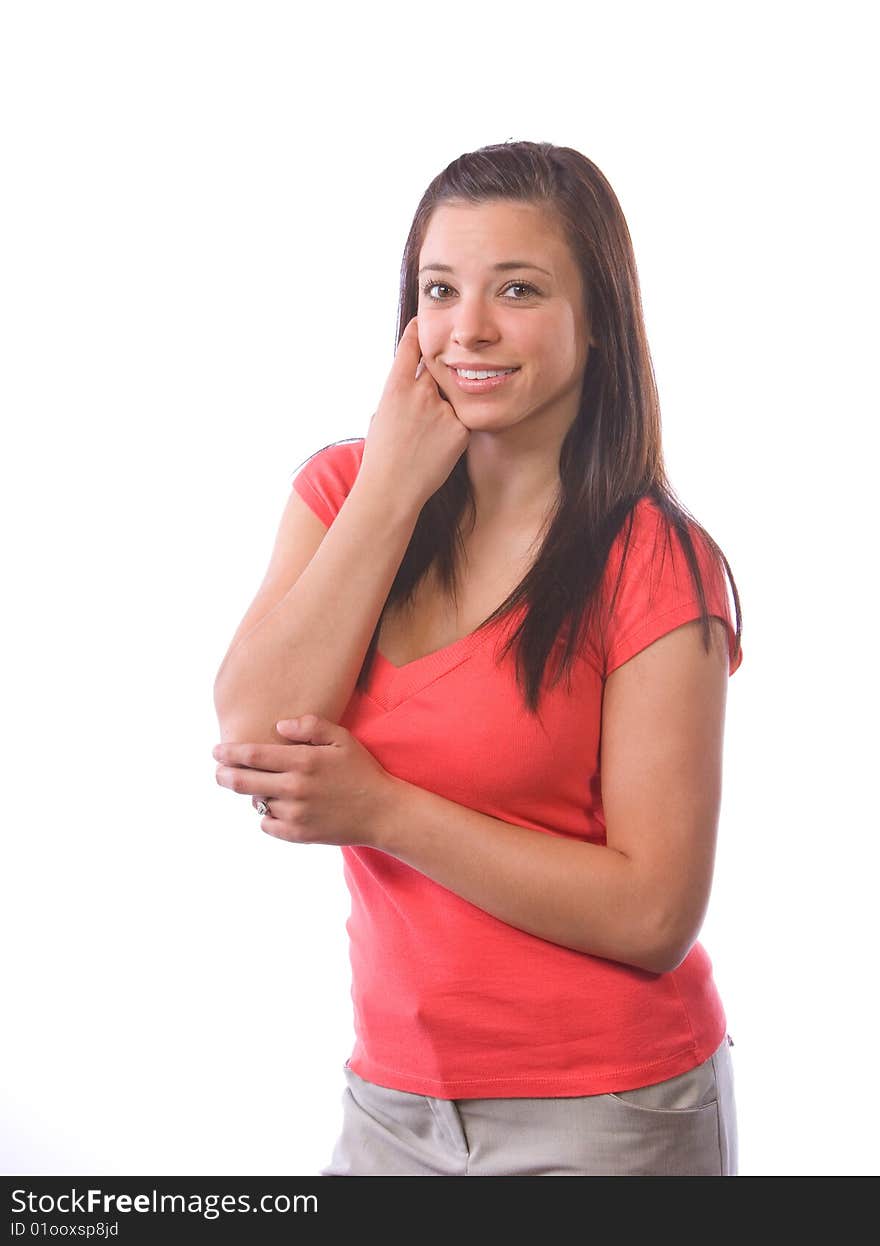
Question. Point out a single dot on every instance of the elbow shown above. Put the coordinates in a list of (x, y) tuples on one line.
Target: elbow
[(658, 958), (245, 730), (665, 958), (224, 705), (666, 949), (241, 724), (240, 731), (225, 713)]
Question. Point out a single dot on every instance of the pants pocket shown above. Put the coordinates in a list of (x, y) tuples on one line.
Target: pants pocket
[(689, 1091)]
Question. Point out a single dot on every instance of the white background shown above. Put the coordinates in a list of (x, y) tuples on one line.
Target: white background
[(204, 214)]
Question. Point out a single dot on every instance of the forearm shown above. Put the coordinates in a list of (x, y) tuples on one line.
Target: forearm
[(581, 895), (305, 655)]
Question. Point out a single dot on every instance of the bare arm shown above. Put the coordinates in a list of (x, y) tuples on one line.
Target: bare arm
[(304, 654), (640, 898), (301, 645)]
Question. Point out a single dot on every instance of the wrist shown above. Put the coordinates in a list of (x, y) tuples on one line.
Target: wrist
[(386, 821), (386, 502)]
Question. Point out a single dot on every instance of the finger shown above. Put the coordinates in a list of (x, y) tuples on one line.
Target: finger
[(277, 828), (408, 352), (274, 757), (276, 824), (250, 782)]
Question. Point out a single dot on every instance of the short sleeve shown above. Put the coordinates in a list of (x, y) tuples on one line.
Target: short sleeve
[(325, 481), (657, 593)]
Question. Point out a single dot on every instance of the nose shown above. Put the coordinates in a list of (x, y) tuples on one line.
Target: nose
[(474, 323)]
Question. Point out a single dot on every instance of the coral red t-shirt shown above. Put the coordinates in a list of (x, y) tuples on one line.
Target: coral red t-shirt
[(450, 1001)]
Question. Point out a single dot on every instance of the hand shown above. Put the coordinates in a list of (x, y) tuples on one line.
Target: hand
[(325, 788), (415, 438)]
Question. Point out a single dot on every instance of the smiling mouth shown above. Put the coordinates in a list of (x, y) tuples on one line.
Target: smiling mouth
[(481, 374), (482, 383)]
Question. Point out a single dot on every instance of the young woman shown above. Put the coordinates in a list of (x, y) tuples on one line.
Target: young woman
[(507, 646)]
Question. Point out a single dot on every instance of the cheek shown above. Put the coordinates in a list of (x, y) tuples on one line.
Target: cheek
[(571, 339), (437, 372), (430, 344)]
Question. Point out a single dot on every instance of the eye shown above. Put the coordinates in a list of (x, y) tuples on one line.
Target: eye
[(511, 285), (433, 285)]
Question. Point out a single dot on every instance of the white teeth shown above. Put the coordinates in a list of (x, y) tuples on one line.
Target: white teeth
[(482, 376)]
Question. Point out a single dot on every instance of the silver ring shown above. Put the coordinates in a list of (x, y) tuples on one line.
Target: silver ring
[(262, 808)]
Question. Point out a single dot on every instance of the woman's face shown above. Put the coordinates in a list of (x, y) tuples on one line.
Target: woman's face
[(499, 288)]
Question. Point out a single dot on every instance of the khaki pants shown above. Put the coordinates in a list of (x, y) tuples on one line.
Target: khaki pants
[(683, 1127)]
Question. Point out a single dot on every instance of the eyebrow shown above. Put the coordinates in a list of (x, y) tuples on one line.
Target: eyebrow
[(502, 267)]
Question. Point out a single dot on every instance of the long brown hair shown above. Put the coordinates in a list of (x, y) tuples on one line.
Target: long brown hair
[(612, 454)]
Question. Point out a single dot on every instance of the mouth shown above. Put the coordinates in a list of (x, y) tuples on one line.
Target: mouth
[(481, 380)]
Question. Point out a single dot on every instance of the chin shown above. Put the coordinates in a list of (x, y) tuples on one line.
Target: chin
[(485, 421)]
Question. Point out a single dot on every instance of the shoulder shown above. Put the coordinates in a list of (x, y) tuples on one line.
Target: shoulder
[(660, 564), (326, 478), (652, 522), (340, 458), (637, 546), (660, 542)]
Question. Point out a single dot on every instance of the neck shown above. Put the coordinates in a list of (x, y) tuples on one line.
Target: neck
[(512, 484)]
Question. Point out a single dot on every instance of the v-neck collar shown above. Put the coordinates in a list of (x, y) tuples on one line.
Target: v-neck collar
[(390, 685)]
